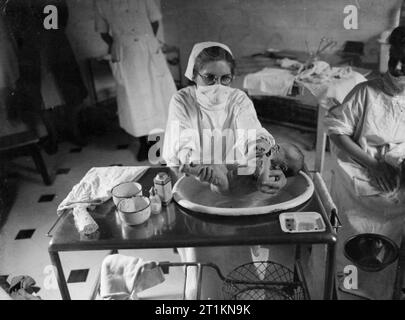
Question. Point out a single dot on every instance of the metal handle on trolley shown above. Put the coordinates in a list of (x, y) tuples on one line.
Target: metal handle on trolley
[(49, 233), (327, 201)]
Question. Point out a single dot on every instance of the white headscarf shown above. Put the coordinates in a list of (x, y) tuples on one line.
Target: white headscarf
[(198, 47)]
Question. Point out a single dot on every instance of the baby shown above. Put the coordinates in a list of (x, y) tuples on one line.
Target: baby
[(284, 156)]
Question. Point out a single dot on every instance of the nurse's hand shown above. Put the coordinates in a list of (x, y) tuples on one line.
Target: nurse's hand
[(383, 176), (206, 174), (274, 183)]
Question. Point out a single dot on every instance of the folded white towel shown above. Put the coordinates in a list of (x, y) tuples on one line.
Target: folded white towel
[(83, 220), (95, 187), (269, 81), (123, 277)]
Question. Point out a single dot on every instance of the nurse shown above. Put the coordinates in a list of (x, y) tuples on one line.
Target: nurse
[(210, 122), (366, 182), (212, 111), (144, 82)]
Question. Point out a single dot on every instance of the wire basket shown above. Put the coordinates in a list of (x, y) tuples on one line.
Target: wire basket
[(263, 280)]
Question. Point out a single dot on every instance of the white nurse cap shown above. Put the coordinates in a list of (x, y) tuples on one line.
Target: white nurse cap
[(198, 47)]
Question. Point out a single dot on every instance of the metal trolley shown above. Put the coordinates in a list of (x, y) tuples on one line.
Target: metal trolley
[(254, 280), (260, 280)]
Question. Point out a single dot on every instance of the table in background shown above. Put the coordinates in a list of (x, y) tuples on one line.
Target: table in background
[(301, 109)]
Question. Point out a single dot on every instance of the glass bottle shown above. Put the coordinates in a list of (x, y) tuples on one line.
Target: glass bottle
[(155, 202)]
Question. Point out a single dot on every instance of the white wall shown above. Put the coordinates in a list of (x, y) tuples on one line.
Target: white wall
[(250, 26), (247, 26)]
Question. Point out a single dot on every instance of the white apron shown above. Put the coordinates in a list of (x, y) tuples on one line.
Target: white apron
[(144, 86), (375, 120), (144, 82), (365, 214)]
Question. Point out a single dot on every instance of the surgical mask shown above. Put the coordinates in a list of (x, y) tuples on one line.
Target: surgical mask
[(215, 95)]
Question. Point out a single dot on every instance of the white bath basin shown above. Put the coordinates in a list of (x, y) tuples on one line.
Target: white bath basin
[(193, 195)]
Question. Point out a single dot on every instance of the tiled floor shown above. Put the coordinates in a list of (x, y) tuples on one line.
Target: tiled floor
[(23, 240)]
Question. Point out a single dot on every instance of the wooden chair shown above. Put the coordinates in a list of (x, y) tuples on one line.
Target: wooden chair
[(24, 143)]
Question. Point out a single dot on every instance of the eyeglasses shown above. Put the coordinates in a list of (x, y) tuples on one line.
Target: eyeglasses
[(210, 79)]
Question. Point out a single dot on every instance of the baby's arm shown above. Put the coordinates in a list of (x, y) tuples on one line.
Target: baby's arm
[(270, 179), (263, 170), (216, 175)]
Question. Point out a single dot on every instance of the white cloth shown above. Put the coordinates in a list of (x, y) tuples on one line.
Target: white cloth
[(331, 87), (144, 82), (198, 47), (291, 64), (189, 128), (123, 277), (269, 81), (395, 155), (95, 187), (374, 120), (4, 295), (83, 221)]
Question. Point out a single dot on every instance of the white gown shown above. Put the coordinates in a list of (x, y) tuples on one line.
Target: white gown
[(144, 82), (185, 114), (239, 113), (374, 120)]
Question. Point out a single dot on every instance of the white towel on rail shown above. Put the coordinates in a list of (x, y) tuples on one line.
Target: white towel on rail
[(122, 277)]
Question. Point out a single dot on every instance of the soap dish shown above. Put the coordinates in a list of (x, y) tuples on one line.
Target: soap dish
[(300, 222)]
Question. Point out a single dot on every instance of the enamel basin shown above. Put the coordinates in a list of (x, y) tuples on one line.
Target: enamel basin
[(191, 194)]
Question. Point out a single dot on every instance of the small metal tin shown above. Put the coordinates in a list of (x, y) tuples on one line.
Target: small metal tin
[(163, 185)]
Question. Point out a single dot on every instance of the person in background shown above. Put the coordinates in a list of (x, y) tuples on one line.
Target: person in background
[(8, 76), (61, 79), (144, 82), (49, 73), (370, 122)]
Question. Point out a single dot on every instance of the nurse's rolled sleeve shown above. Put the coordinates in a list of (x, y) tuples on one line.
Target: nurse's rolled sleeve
[(153, 10), (100, 23), (344, 119)]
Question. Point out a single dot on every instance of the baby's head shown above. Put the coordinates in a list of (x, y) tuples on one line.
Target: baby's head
[(289, 158)]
